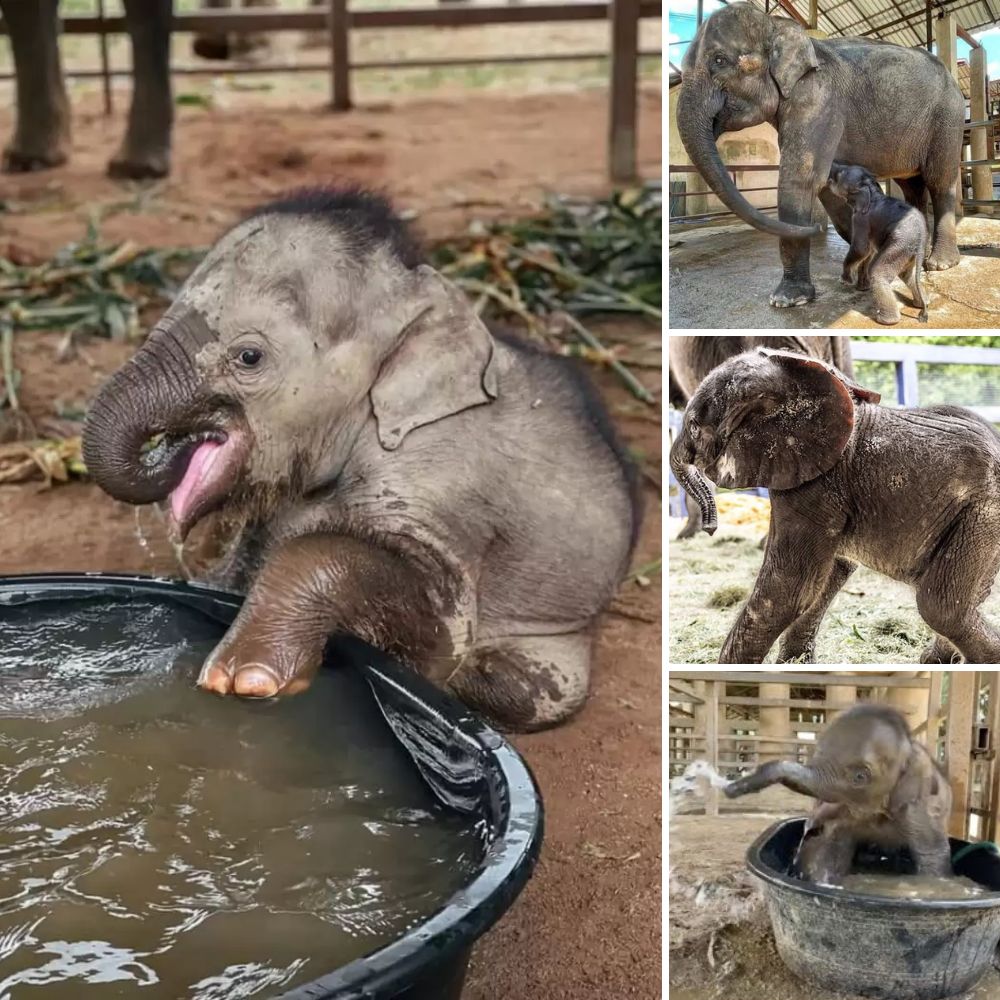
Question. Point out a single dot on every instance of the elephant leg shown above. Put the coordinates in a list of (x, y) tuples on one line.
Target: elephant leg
[(799, 641), (941, 178), (953, 587), (838, 211), (796, 189), (927, 841), (145, 151), (796, 569), (826, 855), (915, 192), (42, 134), (888, 262), (941, 651), (317, 586), (693, 525), (525, 683)]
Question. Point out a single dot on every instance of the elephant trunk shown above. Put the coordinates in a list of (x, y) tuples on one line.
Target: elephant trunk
[(146, 397), (697, 108), (693, 482), (797, 777)]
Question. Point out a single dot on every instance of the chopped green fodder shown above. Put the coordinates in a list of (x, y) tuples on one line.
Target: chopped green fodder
[(727, 596), (872, 620)]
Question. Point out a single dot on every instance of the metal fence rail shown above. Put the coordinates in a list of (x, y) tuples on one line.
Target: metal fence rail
[(624, 53)]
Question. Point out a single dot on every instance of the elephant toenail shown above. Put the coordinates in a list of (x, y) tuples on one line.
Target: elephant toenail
[(214, 678), (256, 681)]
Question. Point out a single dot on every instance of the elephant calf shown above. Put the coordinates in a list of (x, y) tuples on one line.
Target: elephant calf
[(888, 240), (449, 494), (914, 494), (875, 784)]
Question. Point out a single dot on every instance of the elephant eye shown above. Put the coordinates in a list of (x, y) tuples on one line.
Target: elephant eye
[(719, 60), (249, 357), (860, 776)]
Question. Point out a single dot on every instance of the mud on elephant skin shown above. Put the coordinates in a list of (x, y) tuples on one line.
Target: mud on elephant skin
[(745, 68), (874, 784), (910, 493), (692, 357), (402, 473), (42, 132)]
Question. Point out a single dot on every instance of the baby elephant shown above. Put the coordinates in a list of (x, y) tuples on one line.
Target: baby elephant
[(914, 494), (888, 238), (874, 784)]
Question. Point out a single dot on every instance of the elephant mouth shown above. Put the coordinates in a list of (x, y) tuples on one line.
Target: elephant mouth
[(211, 461)]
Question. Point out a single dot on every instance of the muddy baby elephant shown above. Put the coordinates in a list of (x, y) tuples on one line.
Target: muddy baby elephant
[(874, 784), (404, 474), (909, 493), (888, 240)]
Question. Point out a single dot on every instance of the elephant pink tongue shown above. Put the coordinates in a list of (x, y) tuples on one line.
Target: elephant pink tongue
[(198, 469)]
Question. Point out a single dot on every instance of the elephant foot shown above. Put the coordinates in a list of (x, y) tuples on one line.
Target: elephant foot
[(16, 161), (846, 279), (792, 293), (941, 650), (140, 166), (941, 260), (887, 318), (864, 286)]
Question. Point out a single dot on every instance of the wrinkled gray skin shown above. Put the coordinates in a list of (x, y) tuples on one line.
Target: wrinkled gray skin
[(895, 111), (42, 133), (404, 476), (693, 357), (874, 784), (888, 240), (912, 494)]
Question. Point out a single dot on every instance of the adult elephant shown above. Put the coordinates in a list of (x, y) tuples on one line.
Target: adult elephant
[(895, 111), (692, 358), (42, 133)]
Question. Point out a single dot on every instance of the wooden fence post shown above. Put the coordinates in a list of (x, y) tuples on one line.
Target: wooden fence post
[(105, 67), (340, 59), (712, 744), (962, 694), (624, 82)]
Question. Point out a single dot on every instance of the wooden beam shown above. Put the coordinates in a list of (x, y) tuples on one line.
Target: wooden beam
[(711, 741), (340, 59), (622, 111), (966, 37), (788, 703), (789, 9), (961, 713), (683, 689), (865, 680)]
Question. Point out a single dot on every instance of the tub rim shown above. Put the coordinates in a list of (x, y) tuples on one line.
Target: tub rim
[(465, 915), (776, 879)]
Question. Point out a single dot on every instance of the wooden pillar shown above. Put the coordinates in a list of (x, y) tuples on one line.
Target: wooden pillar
[(982, 179), (947, 52), (774, 722), (813, 14), (912, 702), (993, 820), (961, 713), (712, 744), (340, 58), (843, 696), (624, 86)]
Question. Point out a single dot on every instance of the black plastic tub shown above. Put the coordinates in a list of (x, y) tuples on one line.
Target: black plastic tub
[(467, 764), (891, 949)]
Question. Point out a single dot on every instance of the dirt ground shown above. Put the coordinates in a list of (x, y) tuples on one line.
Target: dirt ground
[(745, 260), (588, 925), (872, 620)]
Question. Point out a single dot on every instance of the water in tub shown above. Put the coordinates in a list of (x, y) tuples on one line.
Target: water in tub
[(155, 836)]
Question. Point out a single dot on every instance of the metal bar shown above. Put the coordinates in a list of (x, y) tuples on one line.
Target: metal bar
[(787, 703), (701, 12), (712, 743), (929, 16), (325, 67), (623, 105), (315, 19), (684, 168), (105, 66), (716, 215), (340, 59), (817, 679), (697, 194), (980, 201)]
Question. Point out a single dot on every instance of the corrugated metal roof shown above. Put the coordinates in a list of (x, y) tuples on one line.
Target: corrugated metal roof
[(963, 81), (899, 21)]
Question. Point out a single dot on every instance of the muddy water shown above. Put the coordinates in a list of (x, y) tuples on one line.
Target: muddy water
[(154, 836), (914, 886)]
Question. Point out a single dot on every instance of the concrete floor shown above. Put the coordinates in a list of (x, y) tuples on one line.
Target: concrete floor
[(720, 278)]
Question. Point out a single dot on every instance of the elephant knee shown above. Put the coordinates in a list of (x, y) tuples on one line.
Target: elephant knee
[(940, 614)]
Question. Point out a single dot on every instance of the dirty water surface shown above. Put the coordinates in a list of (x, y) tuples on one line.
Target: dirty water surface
[(156, 837)]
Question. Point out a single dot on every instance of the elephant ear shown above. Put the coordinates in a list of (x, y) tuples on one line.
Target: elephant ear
[(792, 55), (690, 59), (864, 199), (442, 365), (795, 430)]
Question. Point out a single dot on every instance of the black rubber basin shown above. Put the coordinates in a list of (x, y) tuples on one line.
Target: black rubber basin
[(891, 949), (467, 764)]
